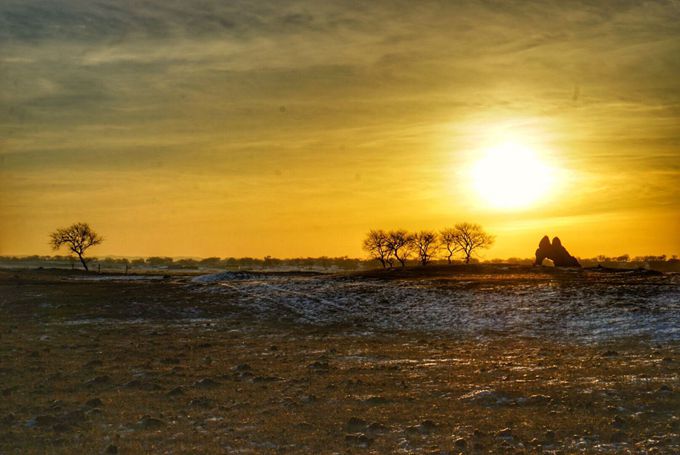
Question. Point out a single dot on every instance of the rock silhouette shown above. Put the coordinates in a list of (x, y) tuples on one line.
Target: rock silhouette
[(555, 252)]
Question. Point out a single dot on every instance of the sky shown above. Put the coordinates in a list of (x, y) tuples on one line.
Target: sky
[(291, 128)]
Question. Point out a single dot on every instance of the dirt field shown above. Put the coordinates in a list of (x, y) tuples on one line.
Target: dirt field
[(293, 364)]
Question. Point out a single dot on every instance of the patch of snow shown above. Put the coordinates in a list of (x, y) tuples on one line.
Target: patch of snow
[(118, 278), (586, 308)]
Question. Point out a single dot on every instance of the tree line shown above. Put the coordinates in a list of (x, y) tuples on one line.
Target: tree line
[(166, 262), (387, 247), (80, 237), (384, 246), (397, 246)]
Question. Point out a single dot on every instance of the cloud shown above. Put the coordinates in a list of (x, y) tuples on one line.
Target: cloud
[(169, 87)]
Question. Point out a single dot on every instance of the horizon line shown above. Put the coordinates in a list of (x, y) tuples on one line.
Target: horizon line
[(261, 258)]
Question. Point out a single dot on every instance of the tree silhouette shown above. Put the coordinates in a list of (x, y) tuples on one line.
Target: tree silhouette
[(400, 244), (376, 245), (447, 239), (426, 245), (470, 237), (78, 238)]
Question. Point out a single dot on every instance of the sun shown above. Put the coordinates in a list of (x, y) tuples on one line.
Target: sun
[(511, 176)]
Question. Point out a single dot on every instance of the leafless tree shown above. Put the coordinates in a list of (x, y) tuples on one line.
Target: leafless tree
[(400, 244), (470, 237), (426, 245), (77, 238), (447, 239), (376, 245)]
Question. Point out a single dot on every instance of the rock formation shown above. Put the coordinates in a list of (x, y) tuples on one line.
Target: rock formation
[(555, 252)]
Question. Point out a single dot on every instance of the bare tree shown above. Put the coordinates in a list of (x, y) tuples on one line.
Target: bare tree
[(470, 237), (426, 245), (447, 239), (376, 245), (78, 238), (400, 244)]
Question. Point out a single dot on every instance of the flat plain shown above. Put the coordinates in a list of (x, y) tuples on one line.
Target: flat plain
[(478, 359)]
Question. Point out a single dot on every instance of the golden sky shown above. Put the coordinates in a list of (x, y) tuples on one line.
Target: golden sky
[(252, 128)]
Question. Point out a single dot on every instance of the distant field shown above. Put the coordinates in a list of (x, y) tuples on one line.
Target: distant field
[(322, 264), (472, 359)]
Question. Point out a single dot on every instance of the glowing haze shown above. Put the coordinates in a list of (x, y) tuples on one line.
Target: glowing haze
[(249, 128)]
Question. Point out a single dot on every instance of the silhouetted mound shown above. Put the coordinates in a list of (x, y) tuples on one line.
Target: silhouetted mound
[(555, 252)]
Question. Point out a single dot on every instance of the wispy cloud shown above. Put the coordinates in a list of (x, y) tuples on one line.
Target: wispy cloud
[(305, 92)]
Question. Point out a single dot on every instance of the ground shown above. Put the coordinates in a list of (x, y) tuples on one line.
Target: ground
[(177, 364)]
